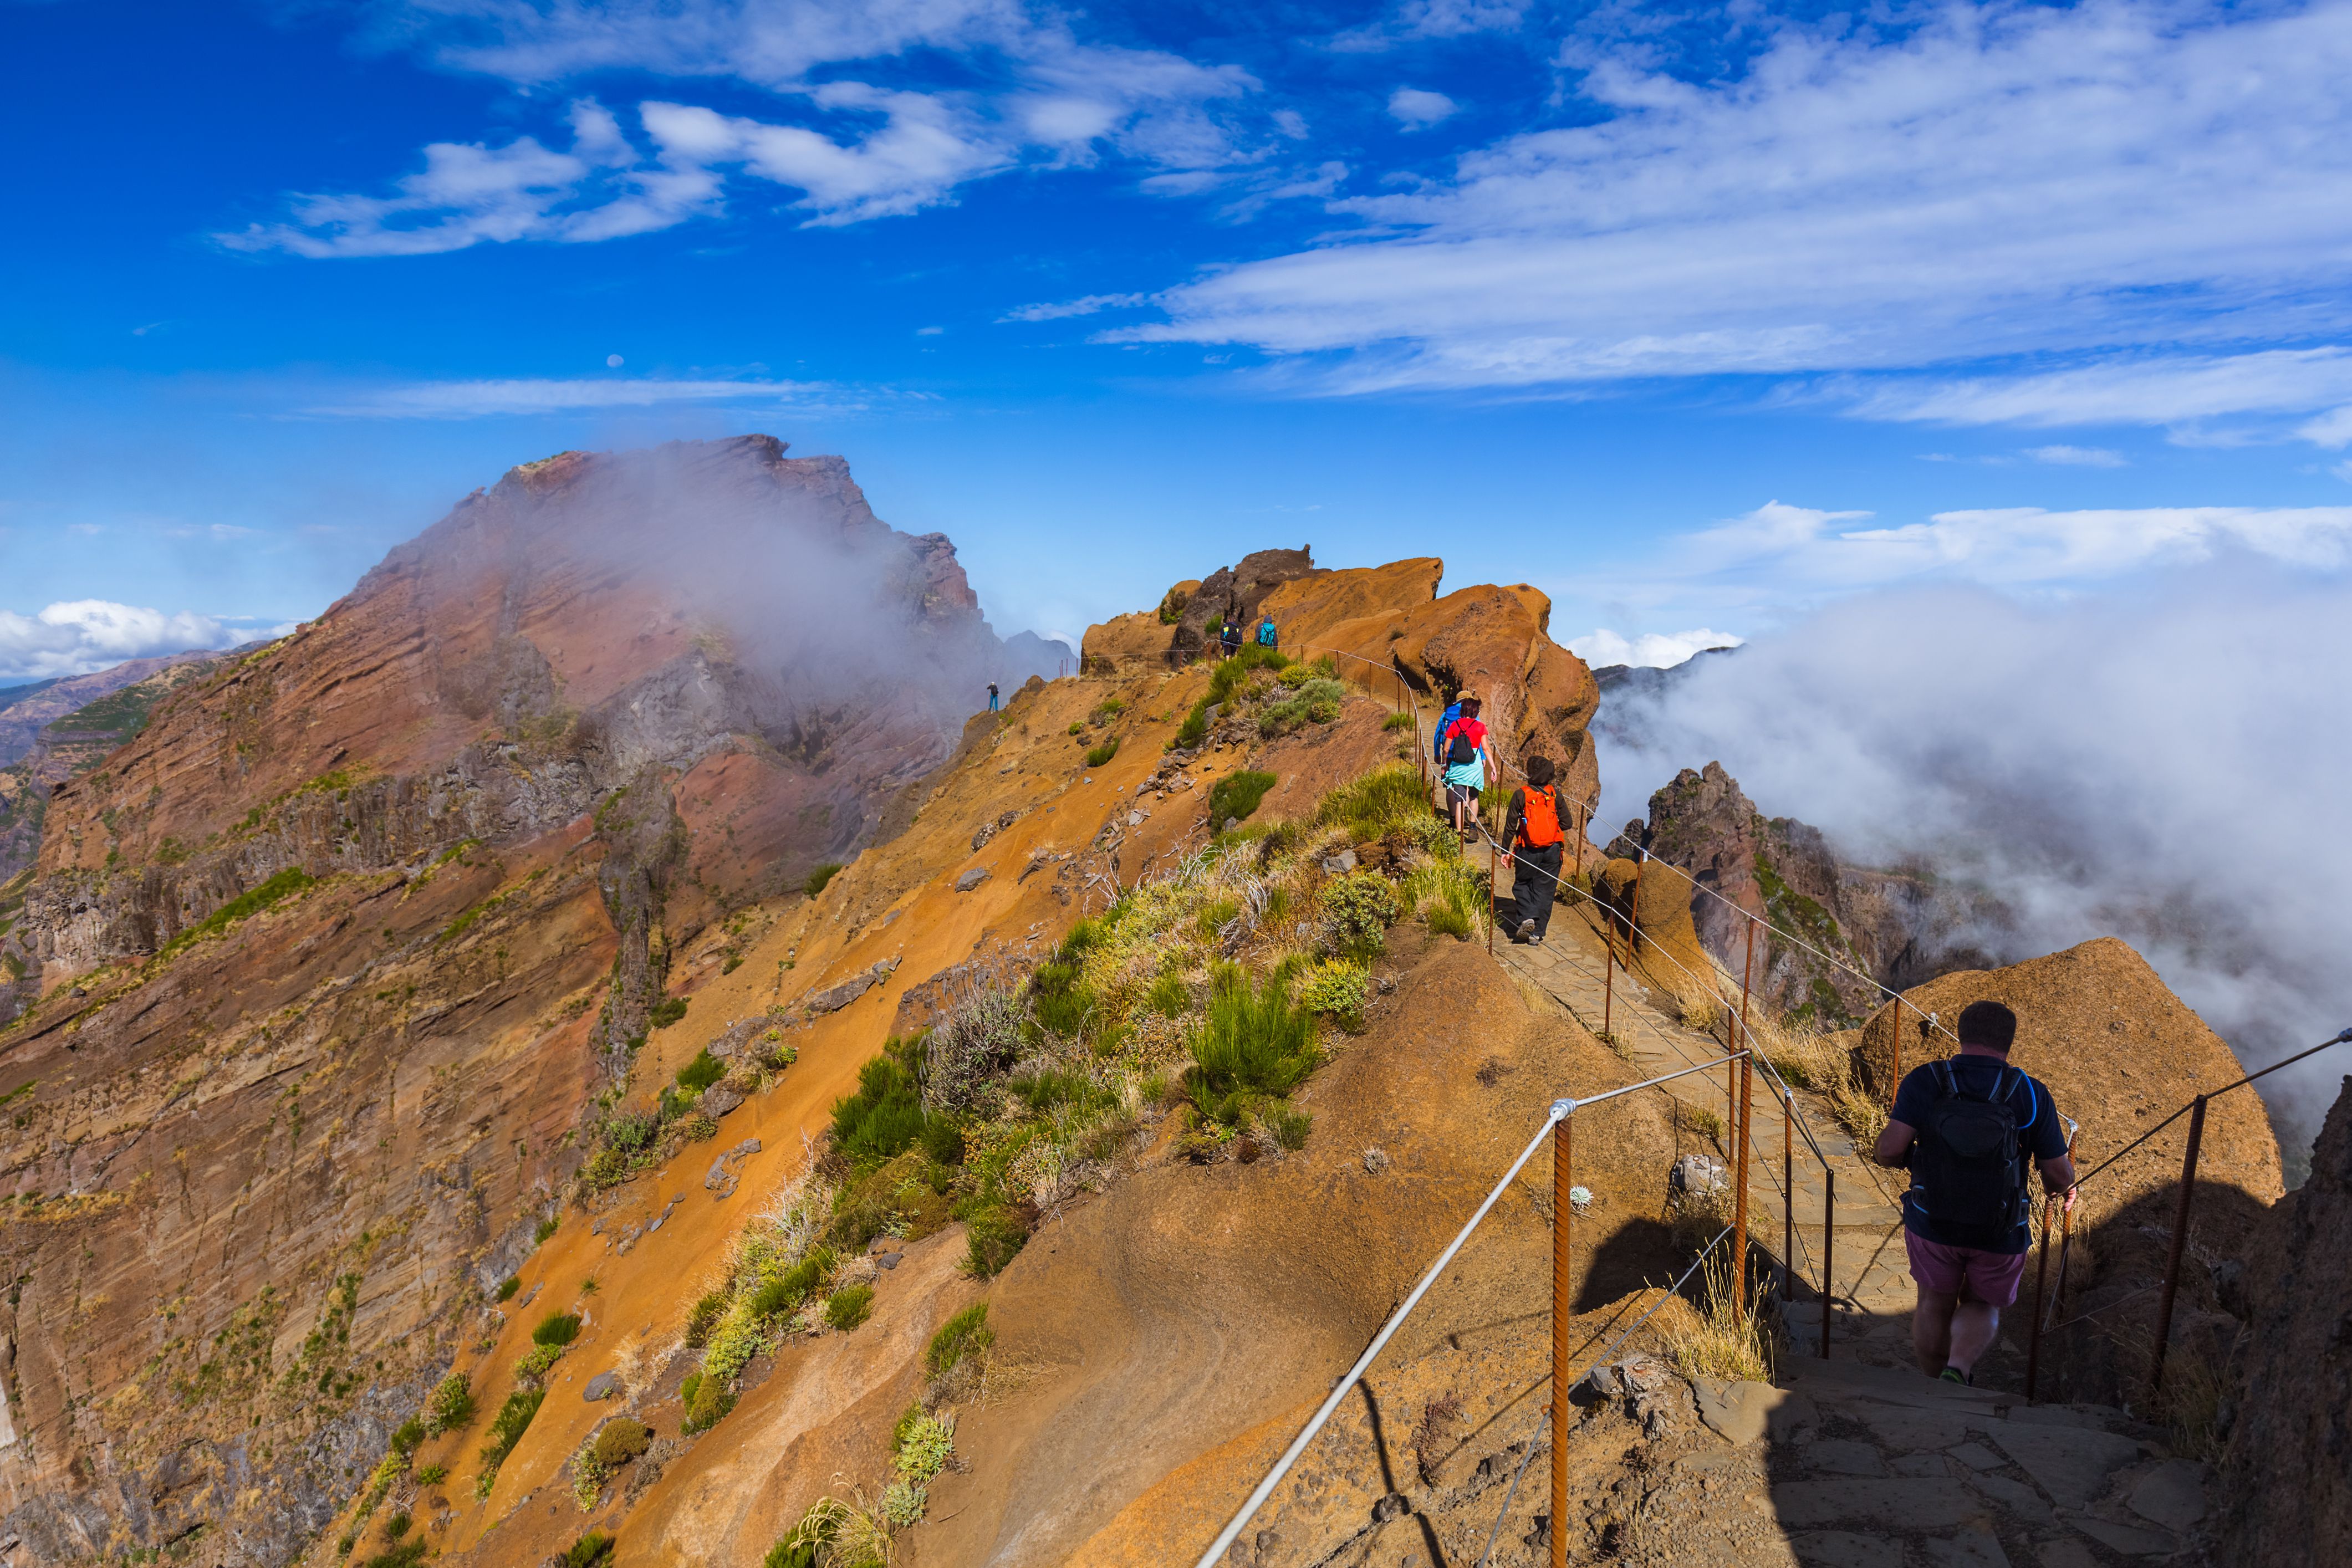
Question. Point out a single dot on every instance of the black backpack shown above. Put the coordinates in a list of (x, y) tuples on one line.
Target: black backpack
[(1970, 1165), (1460, 751)]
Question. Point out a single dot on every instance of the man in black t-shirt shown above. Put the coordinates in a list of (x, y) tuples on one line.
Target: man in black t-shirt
[(1968, 1127)]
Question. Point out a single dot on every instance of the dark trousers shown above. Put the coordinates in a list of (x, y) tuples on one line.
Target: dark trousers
[(1535, 885)]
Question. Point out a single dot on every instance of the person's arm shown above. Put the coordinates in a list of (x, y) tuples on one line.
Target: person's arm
[(1512, 814), (1894, 1145), (2058, 1178)]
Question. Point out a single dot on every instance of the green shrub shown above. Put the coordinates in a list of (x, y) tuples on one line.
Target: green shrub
[(509, 1286), (343, 1547), (622, 1440), (397, 1525), (1107, 709), (819, 877), (1059, 1003), (1357, 909), (1168, 996), (903, 1503), (556, 1328), (1098, 755), (993, 1234), (407, 1554), (1377, 803), (451, 1406), (976, 1043), (1254, 1044), (707, 1400), (293, 880), (508, 1427), (702, 1072), (548, 1225), (1446, 920), (1397, 721), (1237, 796), (966, 1333), (1077, 727), (588, 1551), (1193, 730), (665, 1012), (884, 1118), (410, 1432), (1336, 987), (697, 1128), (849, 1306), (702, 1317), (925, 1443), (1288, 1122)]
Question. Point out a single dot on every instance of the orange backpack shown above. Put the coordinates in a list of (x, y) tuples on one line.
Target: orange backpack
[(1539, 818)]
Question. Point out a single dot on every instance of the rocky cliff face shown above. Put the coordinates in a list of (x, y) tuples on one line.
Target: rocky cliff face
[(1898, 927), (335, 955), (2293, 1416)]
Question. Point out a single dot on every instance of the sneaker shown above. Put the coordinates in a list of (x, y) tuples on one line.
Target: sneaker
[(1536, 940), (1527, 930), (1954, 1374)]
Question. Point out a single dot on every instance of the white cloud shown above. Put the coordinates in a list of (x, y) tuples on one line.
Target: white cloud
[(1657, 650), (2077, 456), (1087, 306), (1863, 195), (1417, 109), (72, 637), (2178, 390), (2332, 430), (863, 151), (468, 400)]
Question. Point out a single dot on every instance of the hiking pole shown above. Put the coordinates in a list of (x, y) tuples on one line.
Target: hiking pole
[(2179, 1241)]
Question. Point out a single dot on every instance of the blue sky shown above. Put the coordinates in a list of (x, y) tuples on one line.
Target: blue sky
[(1698, 317)]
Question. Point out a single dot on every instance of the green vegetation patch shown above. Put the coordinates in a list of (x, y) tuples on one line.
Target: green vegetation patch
[(282, 885), (1098, 755), (1237, 796), (819, 877), (965, 1334)]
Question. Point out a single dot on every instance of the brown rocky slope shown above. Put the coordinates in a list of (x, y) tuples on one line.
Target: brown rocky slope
[(337, 953)]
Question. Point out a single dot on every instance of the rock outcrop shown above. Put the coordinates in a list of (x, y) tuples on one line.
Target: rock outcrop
[(1851, 924), (2287, 1472), (335, 955)]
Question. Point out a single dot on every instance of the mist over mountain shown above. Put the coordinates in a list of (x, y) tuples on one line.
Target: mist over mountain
[(2160, 763)]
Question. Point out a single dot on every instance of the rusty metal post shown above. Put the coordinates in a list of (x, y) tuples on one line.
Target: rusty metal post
[(1739, 1200), (1608, 973), (2179, 1242), (2040, 1281), (1747, 967), (1563, 1216), (1829, 1250), (1490, 894), (1787, 1199)]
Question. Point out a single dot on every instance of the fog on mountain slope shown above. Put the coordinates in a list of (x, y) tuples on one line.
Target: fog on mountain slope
[(2167, 765)]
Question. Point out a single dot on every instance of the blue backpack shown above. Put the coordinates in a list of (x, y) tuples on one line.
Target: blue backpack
[(1266, 634), (1437, 748)]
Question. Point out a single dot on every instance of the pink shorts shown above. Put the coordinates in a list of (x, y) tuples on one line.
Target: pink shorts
[(1988, 1277)]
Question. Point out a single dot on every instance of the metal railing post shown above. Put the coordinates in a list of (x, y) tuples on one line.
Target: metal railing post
[(2179, 1242), (1739, 1202), (1829, 1249), (1564, 1217), (1788, 1197)]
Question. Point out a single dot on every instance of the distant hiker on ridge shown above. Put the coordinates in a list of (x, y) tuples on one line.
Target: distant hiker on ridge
[(1967, 1127), (1463, 747), (1266, 634), (992, 697), (1230, 639), (1531, 829)]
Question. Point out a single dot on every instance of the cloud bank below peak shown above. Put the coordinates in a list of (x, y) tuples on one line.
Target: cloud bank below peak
[(73, 637)]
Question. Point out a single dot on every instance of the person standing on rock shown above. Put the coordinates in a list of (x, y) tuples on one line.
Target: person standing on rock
[(1531, 828), (1969, 1127), (1465, 753), (992, 697)]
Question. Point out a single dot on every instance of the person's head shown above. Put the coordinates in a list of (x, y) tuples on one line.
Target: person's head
[(1469, 701), (1540, 769), (1988, 1025)]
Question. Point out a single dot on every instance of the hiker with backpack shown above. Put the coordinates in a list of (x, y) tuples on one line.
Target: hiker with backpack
[(1532, 832), (1463, 749), (992, 697), (1229, 638), (1265, 632), (1968, 1127)]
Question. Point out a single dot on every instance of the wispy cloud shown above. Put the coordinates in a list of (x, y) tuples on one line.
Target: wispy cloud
[(1990, 180), (1656, 650), (2077, 456), (2171, 390), (1416, 109), (473, 399), (852, 148), (1087, 306)]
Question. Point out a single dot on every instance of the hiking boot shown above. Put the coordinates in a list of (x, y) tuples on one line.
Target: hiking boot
[(1527, 931)]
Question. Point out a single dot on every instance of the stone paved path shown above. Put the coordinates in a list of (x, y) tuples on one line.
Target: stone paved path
[(1870, 1286)]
